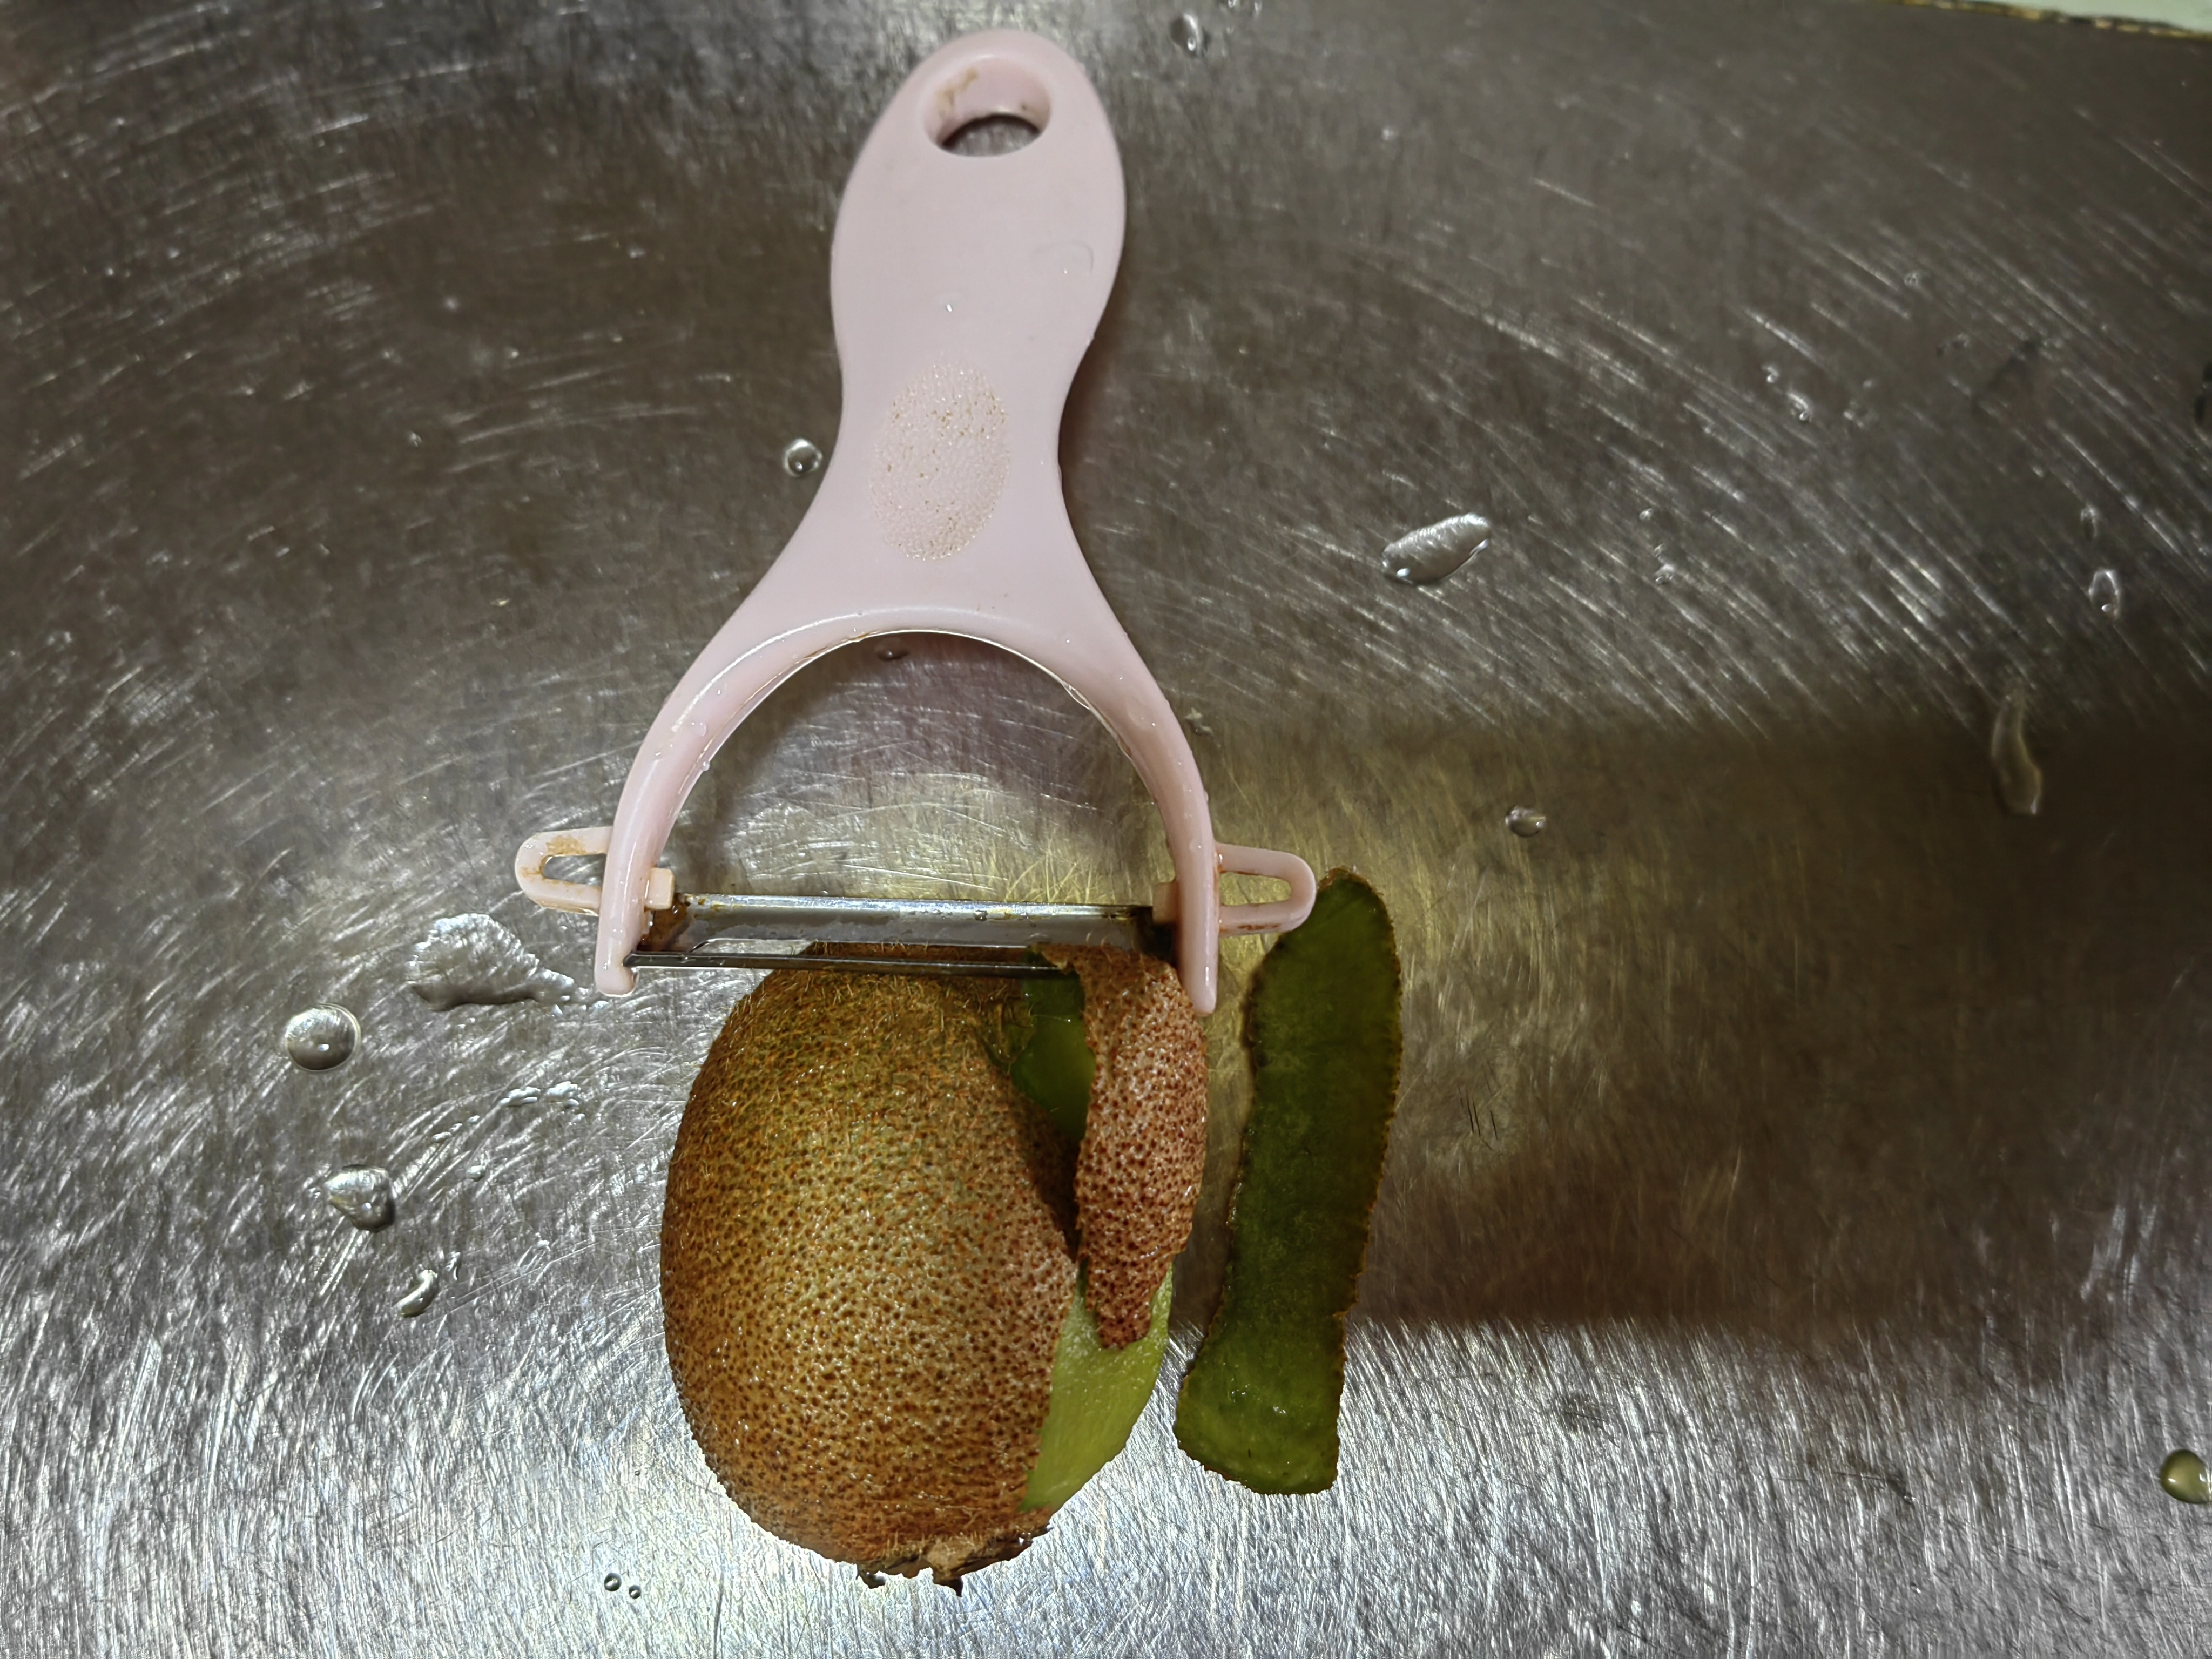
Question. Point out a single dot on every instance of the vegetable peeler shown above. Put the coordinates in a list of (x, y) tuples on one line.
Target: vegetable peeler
[(965, 291)]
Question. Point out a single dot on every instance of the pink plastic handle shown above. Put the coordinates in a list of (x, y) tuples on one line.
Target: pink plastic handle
[(965, 291)]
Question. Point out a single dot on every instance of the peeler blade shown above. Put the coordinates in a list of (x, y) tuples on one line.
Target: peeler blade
[(751, 930)]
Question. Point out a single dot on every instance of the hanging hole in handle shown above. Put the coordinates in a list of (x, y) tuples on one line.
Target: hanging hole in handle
[(993, 107), (990, 135)]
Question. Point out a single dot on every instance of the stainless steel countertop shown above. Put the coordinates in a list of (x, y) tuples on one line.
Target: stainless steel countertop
[(1794, 1236)]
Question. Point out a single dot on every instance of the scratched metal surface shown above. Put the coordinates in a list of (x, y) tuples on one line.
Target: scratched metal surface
[(1793, 1233)]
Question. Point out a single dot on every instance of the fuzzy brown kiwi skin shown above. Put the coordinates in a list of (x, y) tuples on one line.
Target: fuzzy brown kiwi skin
[(862, 1277)]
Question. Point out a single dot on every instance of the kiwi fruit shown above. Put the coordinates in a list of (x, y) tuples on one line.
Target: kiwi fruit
[(915, 1251)]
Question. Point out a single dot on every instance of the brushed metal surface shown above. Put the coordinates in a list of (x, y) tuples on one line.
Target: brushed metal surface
[(1794, 1232)]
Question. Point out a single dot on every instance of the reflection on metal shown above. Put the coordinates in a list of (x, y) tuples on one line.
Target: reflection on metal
[(1798, 1139)]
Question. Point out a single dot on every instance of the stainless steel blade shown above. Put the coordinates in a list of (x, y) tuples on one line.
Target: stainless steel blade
[(724, 930), (1009, 966)]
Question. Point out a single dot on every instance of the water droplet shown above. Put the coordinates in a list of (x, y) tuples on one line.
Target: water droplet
[(441, 1137), (478, 1172), (420, 1295), (1801, 406), (321, 1037), (802, 458), (525, 1096), (1771, 375), (611, 1582), (2104, 592), (2091, 522), (2020, 780), (1434, 551), (565, 1094), (1190, 33), (2184, 1476), (361, 1193), (1665, 573), (472, 959), (635, 1591), (1644, 516), (1526, 821), (889, 651)]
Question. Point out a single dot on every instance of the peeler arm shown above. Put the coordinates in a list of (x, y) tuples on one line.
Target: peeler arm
[(1065, 627)]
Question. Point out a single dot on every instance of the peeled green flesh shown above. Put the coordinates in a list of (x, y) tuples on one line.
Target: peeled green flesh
[(1259, 1403), (1055, 1065), (1097, 1396)]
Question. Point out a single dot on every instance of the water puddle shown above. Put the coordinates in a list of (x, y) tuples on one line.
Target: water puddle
[(472, 959)]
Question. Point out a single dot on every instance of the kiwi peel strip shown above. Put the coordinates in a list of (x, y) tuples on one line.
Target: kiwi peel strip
[(1098, 1392), (1259, 1403)]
